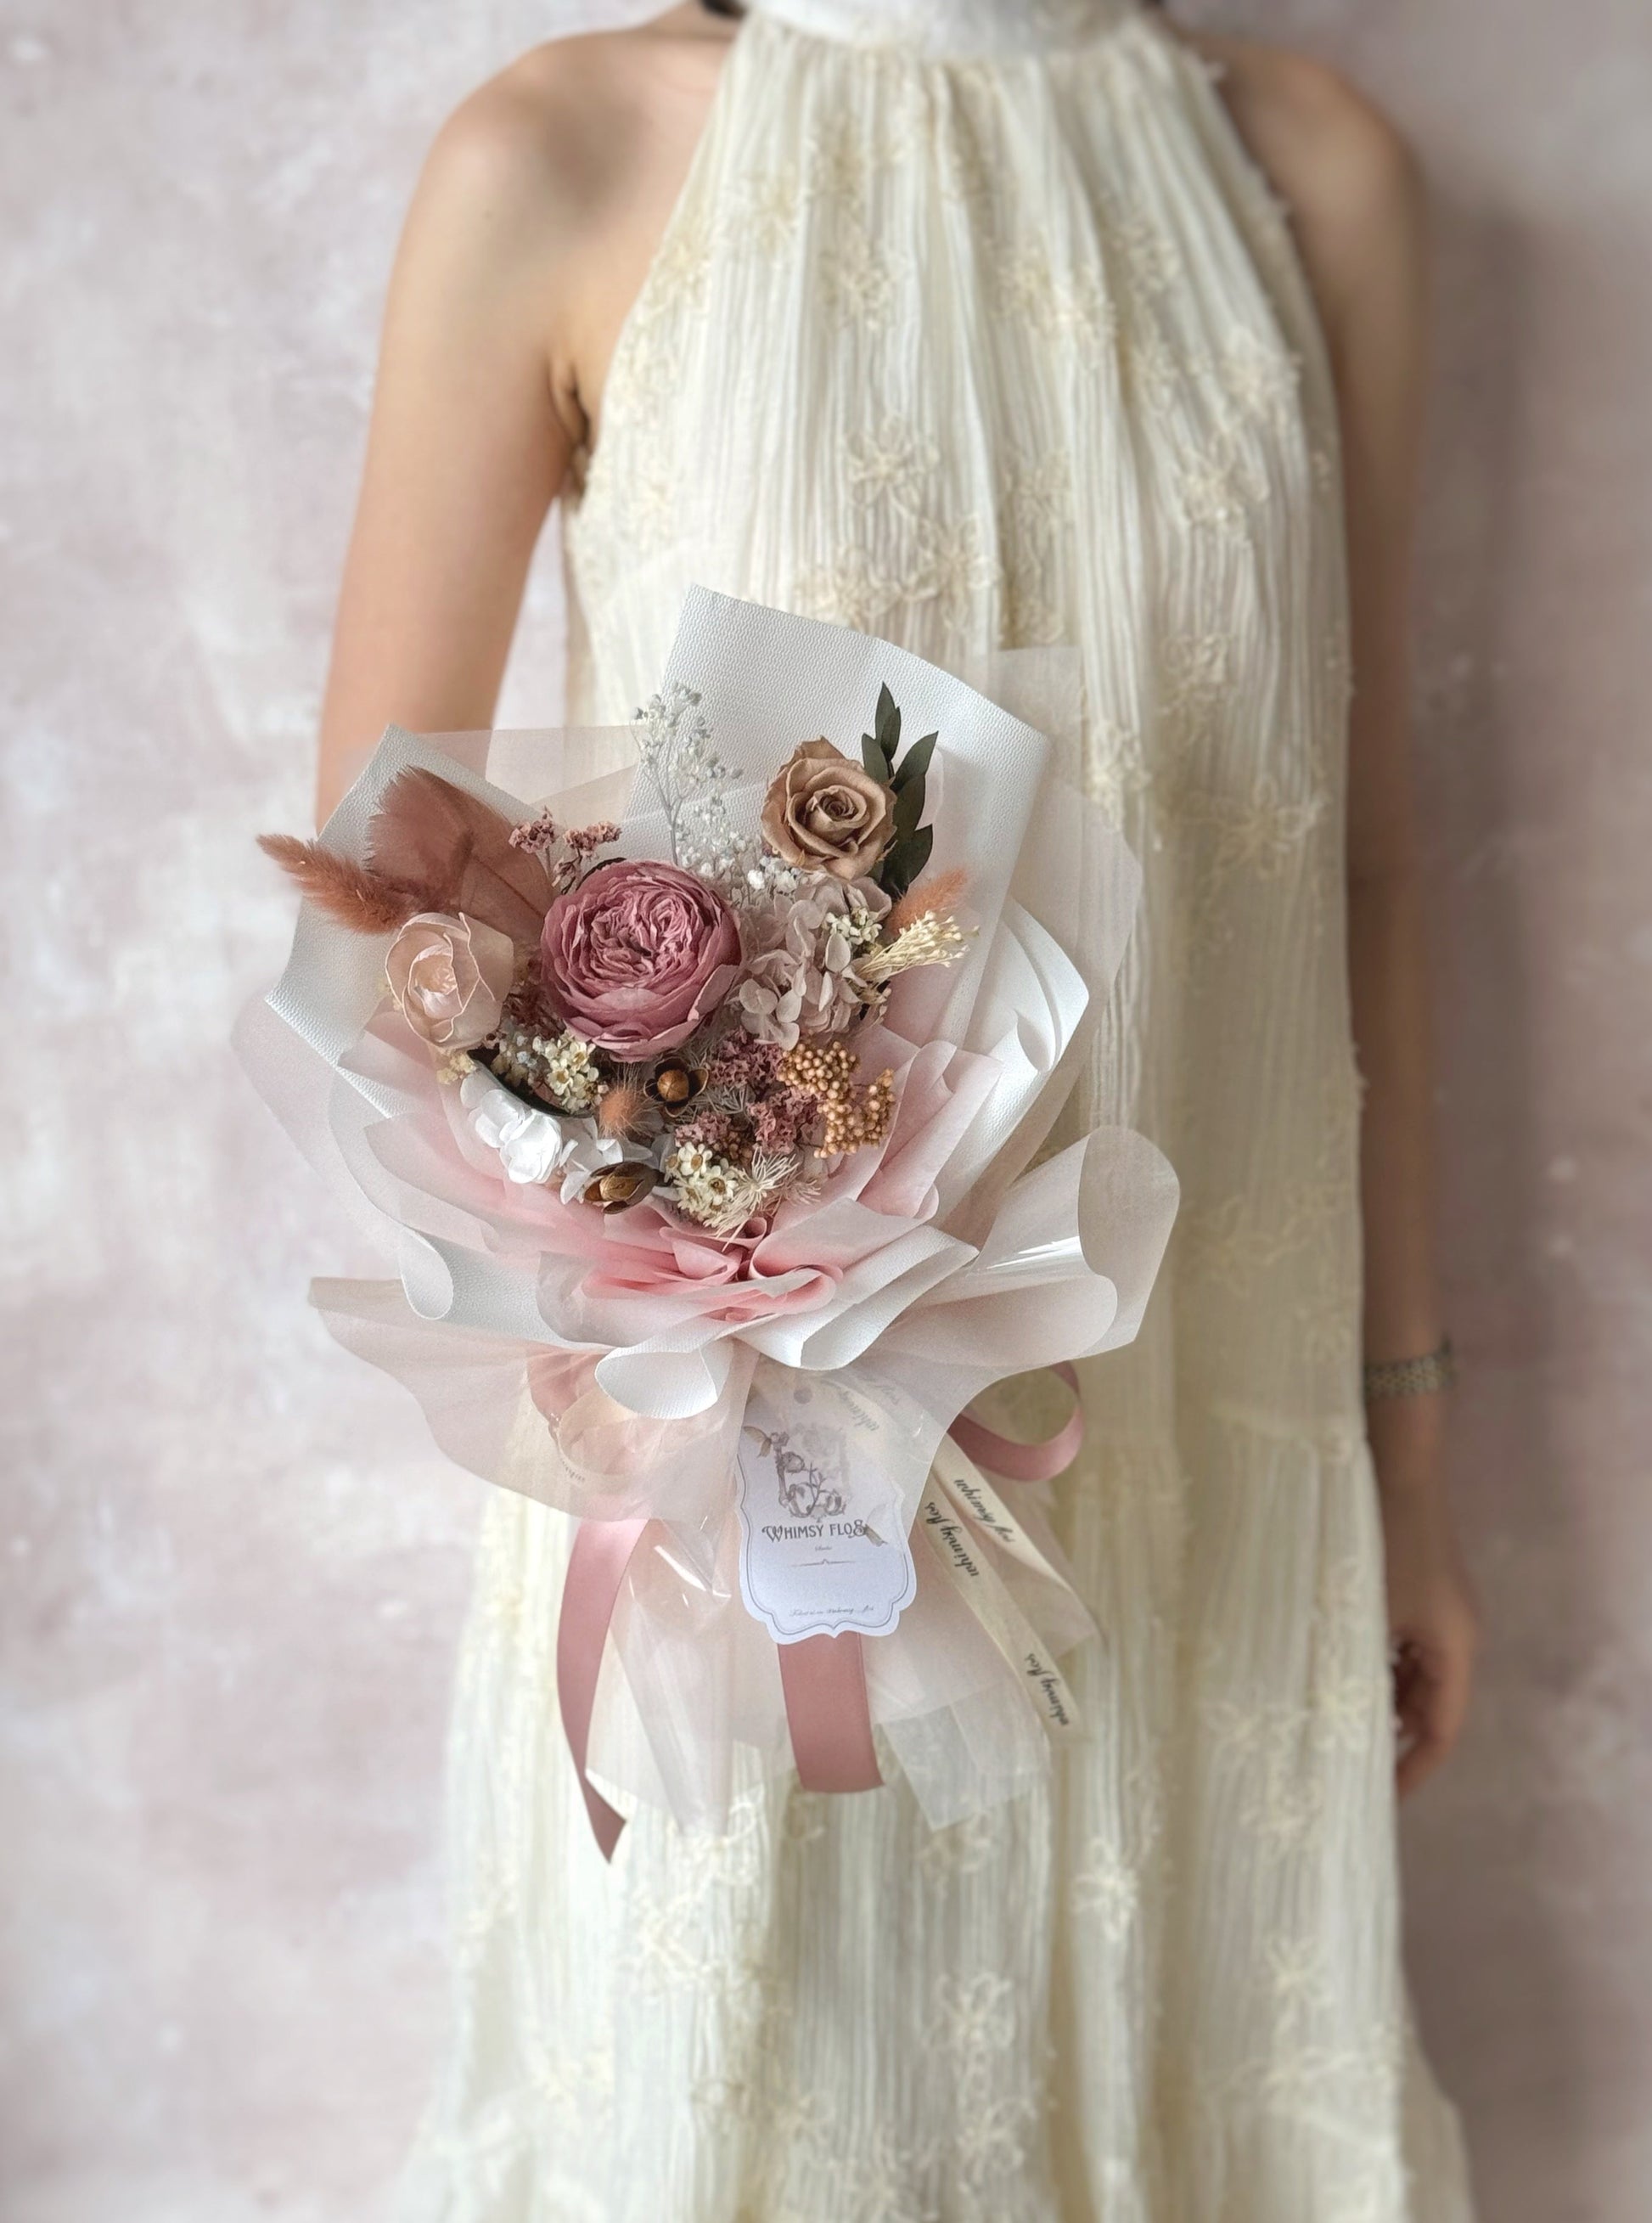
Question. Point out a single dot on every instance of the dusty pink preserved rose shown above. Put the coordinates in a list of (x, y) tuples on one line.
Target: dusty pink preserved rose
[(450, 976), (637, 956)]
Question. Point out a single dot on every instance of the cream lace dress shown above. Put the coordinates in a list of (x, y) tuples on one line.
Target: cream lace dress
[(975, 326)]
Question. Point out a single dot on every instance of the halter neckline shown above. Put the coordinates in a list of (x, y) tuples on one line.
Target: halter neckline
[(953, 29)]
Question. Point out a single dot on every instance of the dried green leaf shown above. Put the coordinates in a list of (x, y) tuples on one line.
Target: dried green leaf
[(905, 861), (915, 763), (887, 724)]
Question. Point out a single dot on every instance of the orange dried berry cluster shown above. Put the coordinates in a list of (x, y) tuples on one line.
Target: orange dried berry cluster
[(851, 1118)]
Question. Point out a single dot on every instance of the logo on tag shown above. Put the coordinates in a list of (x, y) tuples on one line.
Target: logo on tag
[(823, 1543)]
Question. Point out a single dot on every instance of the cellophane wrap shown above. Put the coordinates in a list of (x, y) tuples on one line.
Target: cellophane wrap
[(605, 1367)]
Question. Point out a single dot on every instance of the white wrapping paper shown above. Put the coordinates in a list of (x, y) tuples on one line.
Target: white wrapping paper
[(572, 1356)]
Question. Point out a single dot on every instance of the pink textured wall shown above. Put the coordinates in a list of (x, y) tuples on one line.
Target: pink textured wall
[(227, 1629), (1530, 1865)]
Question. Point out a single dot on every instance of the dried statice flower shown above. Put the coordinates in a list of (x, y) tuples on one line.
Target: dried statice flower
[(742, 1077), (783, 1119), (741, 1066), (720, 1132), (540, 837)]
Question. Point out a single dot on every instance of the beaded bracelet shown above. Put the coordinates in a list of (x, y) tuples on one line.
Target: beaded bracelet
[(1411, 1377)]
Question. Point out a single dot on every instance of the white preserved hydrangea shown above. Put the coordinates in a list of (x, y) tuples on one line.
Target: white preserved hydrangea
[(533, 1146), (769, 1000), (832, 920)]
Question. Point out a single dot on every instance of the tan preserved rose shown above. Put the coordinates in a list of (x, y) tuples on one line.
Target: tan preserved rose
[(827, 814)]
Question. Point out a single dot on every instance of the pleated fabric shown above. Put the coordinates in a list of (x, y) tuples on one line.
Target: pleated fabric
[(974, 327)]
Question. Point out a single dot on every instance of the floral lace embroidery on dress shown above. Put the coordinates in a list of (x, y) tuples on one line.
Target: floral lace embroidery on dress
[(975, 327)]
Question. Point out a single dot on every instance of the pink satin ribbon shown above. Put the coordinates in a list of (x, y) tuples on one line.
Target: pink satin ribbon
[(1002, 1455), (824, 1677), (596, 1568), (824, 1681)]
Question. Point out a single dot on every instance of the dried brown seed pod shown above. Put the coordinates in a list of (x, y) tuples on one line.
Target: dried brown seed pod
[(673, 1085), (615, 1188)]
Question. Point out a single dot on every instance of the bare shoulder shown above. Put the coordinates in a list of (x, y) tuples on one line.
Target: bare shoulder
[(551, 183), (558, 139), (1346, 174)]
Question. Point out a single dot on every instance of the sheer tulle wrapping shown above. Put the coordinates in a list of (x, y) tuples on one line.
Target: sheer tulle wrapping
[(603, 1365)]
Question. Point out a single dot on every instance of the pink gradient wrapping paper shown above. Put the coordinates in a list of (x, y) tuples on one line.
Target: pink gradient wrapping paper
[(604, 1364)]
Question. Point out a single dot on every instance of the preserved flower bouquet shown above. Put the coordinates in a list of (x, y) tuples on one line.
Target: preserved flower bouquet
[(702, 1100), (640, 1029)]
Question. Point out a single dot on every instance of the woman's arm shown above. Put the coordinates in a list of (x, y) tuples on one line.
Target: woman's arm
[(1358, 208), (1378, 331), (540, 207), (471, 433)]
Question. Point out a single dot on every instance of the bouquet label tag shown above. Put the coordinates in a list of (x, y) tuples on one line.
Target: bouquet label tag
[(823, 1542)]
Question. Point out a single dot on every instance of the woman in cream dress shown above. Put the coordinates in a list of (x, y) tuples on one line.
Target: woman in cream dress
[(972, 323)]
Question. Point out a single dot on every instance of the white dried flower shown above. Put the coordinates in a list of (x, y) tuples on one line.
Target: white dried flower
[(533, 1146), (680, 759), (722, 1197), (571, 1072), (704, 1183), (560, 1065), (935, 939)]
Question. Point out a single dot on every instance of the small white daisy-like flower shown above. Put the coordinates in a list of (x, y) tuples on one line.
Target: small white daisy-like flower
[(570, 1071), (705, 1184)]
